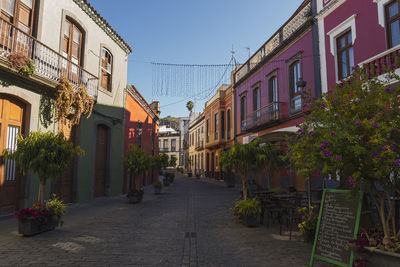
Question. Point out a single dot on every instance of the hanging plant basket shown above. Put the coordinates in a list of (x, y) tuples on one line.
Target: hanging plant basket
[(72, 103)]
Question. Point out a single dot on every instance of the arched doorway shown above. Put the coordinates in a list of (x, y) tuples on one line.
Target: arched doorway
[(11, 125), (101, 160)]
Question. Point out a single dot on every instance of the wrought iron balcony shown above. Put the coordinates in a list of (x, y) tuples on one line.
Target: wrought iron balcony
[(265, 115), (163, 149), (49, 64)]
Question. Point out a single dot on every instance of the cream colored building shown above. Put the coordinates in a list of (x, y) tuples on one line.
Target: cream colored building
[(169, 142), (196, 145), (70, 39)]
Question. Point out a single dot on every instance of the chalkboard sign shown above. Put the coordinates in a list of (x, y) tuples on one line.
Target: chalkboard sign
[(339, 217)]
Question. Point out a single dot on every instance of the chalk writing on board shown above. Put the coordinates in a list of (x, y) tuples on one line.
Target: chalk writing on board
[(337, 227)]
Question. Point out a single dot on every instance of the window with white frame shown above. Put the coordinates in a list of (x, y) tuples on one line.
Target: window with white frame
[(342, 39), (392, 17)]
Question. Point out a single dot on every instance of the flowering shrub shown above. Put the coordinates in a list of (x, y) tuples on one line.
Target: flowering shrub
[(309, 219), (352, 135), (372, 238)]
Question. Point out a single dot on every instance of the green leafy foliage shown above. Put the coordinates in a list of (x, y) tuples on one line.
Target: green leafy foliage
[(190, 105), (136, 160), (353, 135), (57, 206), (46, 154), (173, 161), (248, 207), (157, 184)]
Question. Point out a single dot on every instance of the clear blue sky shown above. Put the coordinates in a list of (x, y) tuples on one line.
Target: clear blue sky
[(190, 32)]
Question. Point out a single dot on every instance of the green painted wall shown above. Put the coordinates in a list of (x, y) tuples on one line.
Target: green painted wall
[(111, 117)]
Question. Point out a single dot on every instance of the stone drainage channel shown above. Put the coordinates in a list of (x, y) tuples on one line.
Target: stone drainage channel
[(189, 255)]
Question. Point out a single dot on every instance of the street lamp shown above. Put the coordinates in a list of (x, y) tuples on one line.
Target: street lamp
[(301, 83)]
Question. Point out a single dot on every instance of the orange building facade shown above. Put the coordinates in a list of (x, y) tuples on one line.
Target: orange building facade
[(141, 129), (219, 133)]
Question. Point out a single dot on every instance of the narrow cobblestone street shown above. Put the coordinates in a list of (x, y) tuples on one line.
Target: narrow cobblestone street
[(189, 224)]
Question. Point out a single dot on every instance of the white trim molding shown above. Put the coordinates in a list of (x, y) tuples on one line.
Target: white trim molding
[(381, 11), (324, 11), (348, 23)]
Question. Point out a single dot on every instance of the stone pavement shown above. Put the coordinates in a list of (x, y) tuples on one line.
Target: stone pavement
[(189, 224)]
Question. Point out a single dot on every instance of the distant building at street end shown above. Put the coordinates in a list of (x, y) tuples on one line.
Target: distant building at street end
[(219, 134), (141, 129), (196, 145), (168, 142), (183, 125)]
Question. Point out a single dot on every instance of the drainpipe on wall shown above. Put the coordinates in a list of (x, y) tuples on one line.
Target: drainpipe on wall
[(234, 116), (316, 52)]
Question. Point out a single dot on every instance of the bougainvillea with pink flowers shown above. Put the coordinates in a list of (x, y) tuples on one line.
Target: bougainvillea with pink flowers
[(352, 135)]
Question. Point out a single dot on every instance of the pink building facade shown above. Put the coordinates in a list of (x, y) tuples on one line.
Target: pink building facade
[(355, 33), (268, 86)]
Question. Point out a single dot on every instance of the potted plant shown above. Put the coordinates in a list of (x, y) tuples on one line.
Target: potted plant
[(157, 187), (136, 162), (166, 180), (248, 211), (22, 63), (47, 155), (352, 135), (308, 224)]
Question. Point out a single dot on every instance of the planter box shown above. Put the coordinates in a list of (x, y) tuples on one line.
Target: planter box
[(166, 182), (380, 258), (251, 221), (309, 235), (137, 198), (157, 190), (30, 226)]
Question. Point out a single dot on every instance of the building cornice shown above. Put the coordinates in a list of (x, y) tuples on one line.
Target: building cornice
[(103, 24), (141, 101)]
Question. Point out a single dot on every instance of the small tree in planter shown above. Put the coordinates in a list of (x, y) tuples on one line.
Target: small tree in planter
[(47, 155), (353, 135), (157, 187), (243, 158), (136, 162), (248, 211)]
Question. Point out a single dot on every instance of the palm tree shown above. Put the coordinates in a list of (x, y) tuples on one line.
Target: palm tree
[(190, 106)]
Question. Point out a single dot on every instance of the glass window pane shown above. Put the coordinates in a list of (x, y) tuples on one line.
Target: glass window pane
[(393, 9), (351, 59), (67, 28), (8, 6), (29, 3), (77, 36), (342, 41), (395, 31), (343, 58), (349, 41)]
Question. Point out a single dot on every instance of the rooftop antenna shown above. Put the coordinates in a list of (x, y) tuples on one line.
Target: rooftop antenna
[(233, 60)]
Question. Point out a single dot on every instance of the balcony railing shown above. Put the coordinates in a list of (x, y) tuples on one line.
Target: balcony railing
[(269, 113), (200, 145), (299, 19), (382, 62), (163, 149), (48, 63)]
